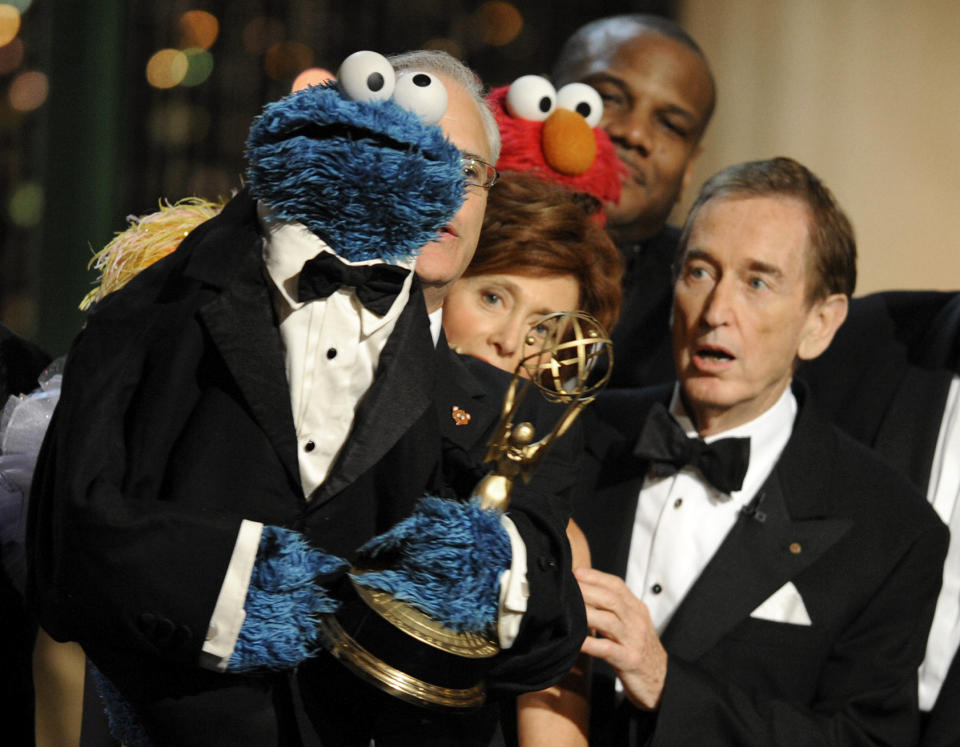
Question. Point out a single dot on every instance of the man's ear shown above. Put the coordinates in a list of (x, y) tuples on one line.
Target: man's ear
[(823, 320)]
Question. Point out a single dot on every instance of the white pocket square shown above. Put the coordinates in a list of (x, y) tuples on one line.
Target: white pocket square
[(785, 605)]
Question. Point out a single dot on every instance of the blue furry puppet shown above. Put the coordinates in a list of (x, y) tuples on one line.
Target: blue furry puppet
[(194, 507), (375, 181)]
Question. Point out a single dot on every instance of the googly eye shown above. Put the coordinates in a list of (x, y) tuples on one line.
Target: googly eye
[(531, 97), (423, 94), (583, 99), (367, 76)]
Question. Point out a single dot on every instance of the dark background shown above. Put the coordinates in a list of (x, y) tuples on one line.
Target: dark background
[(105, 144)]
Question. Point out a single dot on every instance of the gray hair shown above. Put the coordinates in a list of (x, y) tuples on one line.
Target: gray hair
[(833, 248), (442, 63)]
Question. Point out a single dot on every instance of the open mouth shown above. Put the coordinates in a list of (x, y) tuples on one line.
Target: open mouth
[(714, 355)]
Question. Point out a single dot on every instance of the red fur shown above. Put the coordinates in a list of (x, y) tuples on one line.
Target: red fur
[(521, 150)]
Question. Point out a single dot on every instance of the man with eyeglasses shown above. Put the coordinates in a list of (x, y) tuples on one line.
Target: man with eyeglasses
[(213, 403)]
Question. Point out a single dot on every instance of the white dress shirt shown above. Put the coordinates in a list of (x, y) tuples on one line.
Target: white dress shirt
[(681, 520), (331, 347), (943, 492)]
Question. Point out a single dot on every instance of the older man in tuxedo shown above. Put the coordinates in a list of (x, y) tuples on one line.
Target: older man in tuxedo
[(761, 578)]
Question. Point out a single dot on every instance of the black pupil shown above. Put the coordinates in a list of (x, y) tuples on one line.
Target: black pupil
[(375, 81), (545, 104), (420, 80), (583, 109)]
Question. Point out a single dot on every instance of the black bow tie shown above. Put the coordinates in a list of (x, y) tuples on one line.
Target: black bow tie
[(376, 286), (662, 441)]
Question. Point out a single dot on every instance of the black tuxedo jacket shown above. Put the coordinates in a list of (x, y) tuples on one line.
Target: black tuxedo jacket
[(864, 552), (641, 339), (885, 380), (175, 424)]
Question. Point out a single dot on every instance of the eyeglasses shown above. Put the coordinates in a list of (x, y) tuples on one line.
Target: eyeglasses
[(477, 172)]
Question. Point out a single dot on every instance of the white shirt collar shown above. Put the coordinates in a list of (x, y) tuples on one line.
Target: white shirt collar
[(436, 319), (768, 434), (287, 245)]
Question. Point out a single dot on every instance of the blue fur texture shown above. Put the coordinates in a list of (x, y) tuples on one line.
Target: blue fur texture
[(123, 722), (369, 178), (283, 600), (448, 560)]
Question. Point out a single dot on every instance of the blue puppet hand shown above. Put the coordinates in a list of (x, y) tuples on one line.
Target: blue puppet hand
[(283, 601), (446, 560)]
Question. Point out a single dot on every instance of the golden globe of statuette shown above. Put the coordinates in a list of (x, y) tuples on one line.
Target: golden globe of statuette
[(573, 346)]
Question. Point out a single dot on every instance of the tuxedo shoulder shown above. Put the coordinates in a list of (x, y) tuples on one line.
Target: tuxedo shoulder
[(878, 493)]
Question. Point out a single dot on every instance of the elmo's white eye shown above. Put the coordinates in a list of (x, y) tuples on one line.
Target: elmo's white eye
[(423, 94), (531, 97), (367, 76), (583, 99)]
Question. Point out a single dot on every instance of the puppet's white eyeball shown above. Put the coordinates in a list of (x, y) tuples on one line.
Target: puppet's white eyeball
[(367, 76), (531, 97), (583, 99), (423, 94)]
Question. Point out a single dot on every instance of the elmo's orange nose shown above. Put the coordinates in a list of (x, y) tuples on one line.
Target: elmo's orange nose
[(568, 142)]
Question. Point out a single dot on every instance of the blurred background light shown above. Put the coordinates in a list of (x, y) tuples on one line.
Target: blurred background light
[(312, 76), (199, 66), (286, 59), (28, 91), (11, 55), (166, 68), (212, 181), (262, 33), (9, 22), (446, 45), (26, 205), (22, 5), (198, 29), (498, 23), (178, 124)]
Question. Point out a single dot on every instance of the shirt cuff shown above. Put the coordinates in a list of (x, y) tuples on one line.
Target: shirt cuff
[(514, 589), (229, 614)]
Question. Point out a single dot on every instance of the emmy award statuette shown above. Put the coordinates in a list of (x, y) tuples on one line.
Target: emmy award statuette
[(445, 668)]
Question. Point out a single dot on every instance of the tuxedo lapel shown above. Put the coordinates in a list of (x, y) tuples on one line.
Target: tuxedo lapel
[(240, 323), (907, 434), (467, 409), (786, 528), (763, 551), (400, 394)]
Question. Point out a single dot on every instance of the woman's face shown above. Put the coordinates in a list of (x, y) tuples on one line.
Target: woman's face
[(489, 316)]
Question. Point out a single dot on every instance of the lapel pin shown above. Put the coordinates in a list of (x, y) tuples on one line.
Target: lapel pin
[(795, 548), (460, 416)]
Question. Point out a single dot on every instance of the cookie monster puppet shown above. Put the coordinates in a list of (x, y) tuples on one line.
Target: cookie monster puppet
[(174, 443)]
